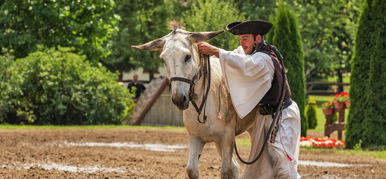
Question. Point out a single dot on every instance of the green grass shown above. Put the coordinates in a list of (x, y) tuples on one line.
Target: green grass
[(13, 127), (366, 153)]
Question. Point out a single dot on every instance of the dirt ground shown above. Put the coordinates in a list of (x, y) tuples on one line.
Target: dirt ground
[(24, 152)]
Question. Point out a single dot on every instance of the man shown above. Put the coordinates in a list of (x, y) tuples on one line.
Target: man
[(254, 76), (136, 87)]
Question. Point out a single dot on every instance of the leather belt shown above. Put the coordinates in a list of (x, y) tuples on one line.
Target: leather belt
[(268, 109)]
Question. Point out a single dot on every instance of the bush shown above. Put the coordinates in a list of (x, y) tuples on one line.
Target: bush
[(9, 88), (311, 114), (59, 87)]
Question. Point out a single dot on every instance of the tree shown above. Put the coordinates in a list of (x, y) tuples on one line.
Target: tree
[(85, 25), (141, 21), (367, 119), (145, 21), (286, 37), (253, 9), (210, 15), (328, 33)]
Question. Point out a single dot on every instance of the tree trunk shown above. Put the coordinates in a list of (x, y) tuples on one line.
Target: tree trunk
[(120, 76), (151, 75), (340, 81)]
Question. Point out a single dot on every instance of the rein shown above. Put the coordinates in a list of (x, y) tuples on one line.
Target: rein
[(204, 71)]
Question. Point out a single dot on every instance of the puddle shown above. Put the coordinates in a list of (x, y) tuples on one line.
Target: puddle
[(152, 147), (68, 168), (328, 164)]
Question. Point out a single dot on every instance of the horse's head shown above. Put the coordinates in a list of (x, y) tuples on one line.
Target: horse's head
[(179, 59)]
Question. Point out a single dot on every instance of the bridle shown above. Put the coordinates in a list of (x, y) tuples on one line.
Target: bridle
[(204, 70)]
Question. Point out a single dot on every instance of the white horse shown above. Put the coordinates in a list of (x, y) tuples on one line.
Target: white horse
[(189, 77)]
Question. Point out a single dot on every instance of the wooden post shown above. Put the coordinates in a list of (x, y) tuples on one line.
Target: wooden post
[(330, 126)]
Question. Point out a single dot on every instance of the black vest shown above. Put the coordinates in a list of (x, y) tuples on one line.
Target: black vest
[(272, 97)]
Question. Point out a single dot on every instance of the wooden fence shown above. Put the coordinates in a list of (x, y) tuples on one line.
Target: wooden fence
[(163, 112), (160, 111), (331, 88)]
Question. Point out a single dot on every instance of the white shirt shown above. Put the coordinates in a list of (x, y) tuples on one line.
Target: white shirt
[(248, 77)]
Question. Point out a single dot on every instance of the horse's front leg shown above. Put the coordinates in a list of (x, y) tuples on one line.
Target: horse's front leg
[(230, 167), (195, 148)]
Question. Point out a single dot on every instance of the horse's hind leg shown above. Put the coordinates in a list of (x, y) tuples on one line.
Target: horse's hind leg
[(195, 148), (230, 167)]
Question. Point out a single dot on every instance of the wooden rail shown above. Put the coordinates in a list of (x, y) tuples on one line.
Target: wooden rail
[(311, 85)]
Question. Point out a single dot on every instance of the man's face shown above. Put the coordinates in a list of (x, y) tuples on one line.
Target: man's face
[(246, 41), (135, 78)]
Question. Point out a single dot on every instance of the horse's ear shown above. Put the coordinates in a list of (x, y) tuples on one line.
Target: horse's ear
[(203, 36), (154, 45)]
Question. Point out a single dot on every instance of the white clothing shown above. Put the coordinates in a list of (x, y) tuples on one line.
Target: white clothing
[(248, 79), (284, 152)]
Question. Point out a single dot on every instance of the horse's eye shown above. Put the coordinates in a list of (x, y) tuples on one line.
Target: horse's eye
[(187, 58)]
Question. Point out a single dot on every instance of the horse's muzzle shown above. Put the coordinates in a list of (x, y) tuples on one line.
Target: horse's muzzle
[(181, 101)]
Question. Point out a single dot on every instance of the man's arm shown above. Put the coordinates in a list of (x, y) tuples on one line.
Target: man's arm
[(249, 65)]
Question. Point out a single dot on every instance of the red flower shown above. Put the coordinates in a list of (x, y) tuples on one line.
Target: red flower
[(325, 142), (328, 105)]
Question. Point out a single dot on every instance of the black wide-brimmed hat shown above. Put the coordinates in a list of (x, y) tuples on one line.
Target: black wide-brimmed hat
[(249, 27)]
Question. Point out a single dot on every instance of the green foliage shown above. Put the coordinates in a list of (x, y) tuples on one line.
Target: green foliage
[(142, 21), (60, 87), (85, 25), (286, 37), (85, 127), (253, 9), (367, 119), (358, 146), (311, 114), (328, 33), (9, 87), (210, 15)]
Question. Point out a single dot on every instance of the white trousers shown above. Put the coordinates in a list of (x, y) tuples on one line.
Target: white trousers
[(279, 159)]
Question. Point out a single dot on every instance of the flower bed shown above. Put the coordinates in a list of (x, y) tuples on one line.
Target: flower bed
[(325, 142)]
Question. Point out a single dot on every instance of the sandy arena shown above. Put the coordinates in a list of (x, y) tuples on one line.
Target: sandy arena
[(142, 153)]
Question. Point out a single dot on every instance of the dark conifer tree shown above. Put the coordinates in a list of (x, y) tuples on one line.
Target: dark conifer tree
[(367, 119), (286, 37)]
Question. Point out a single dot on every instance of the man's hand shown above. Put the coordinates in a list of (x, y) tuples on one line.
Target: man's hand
[(208, 49)]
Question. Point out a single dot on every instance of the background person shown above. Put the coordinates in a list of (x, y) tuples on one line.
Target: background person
[(136, 87)]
